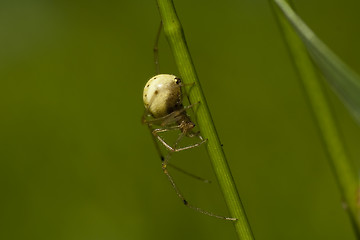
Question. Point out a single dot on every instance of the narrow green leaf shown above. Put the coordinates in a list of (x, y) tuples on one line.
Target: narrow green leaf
[(306, 49), (343, 80)]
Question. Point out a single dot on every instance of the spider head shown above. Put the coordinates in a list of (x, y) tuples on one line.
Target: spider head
[(186, 125)]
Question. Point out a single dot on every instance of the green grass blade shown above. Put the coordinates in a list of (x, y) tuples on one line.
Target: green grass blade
[(343, 80), (176, 39), (301, 40)]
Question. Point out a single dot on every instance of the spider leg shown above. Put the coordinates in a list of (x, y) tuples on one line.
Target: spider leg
[(197, 134), (156, 49), (170, 148), (160, 130), (165, 164), (179, 194), (190, 146), (156, 145), (185, 202), (185, 92), (173, 149), (188, 173), (162, 158)]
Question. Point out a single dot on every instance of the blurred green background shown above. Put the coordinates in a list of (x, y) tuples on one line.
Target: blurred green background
[(76, 163)]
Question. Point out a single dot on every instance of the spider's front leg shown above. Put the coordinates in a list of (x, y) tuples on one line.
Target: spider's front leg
[(161, 130), (175, 148)]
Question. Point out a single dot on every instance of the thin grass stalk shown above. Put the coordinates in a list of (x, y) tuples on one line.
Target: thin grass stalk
[(176, 39), (342, 168)]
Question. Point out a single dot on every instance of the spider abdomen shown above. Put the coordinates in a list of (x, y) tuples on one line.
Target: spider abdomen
[(162, 95)]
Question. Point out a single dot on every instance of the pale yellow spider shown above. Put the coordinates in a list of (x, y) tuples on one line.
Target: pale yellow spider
[(162, 98), (164, 111), (163, 103)]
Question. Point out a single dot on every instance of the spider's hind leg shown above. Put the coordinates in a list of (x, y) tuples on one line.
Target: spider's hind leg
[(185, 202), (156, 49)]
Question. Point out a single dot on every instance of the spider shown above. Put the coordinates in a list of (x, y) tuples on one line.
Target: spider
[(164, 111), (163, 101)]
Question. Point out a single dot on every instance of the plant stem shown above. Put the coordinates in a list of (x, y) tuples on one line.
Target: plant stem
[(339, 161), (176, 39)]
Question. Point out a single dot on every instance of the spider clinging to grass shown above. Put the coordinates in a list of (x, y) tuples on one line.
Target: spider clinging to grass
[(163, 102), (164, 112), (164, 109)]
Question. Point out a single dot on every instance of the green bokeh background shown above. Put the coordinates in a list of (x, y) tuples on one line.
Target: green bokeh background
[(76, 163)]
